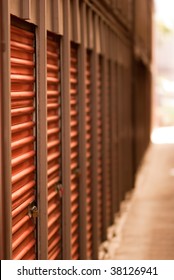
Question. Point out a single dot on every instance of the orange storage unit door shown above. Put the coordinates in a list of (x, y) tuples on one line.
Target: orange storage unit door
[(54, 149), (74, 153), (89, 155), (108, 183), (99, 145), (23, 149)]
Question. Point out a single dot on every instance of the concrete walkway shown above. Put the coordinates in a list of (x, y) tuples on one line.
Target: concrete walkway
[(146, 227)]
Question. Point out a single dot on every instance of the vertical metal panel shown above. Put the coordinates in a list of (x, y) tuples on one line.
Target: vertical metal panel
[(99, 145), (58, 16), (75, 172), (77, 34), (123, 128), (82, 134), (126, 104), (66, 152), (75, 21), (103, 38), (103, 95), (49, 14), (26, 9), (34, 11), (89, 156), (6, 127), (95, 152), (106, 145), (55, 189), (128, 70), (2, 255), (90, 31), (107, 156), (115, 44), (15, 8), (42, 130), (140, 112), (54, 14), (120, 132), (23, 162), (97, 34), (114, 137), (141, 26)]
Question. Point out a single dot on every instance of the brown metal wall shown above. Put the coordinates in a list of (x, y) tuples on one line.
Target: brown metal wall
[(114, 137), (120, 134), (1, 137), (141, 102), (108, 161), (142, 112), (54, 172), (23, 162), (106, 148), (74, 197)]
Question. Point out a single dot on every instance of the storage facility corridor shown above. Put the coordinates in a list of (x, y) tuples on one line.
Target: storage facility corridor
[(79, 176), (145, 228)]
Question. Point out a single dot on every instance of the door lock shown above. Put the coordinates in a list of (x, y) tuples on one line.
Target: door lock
[(59, 189), (33, 211)]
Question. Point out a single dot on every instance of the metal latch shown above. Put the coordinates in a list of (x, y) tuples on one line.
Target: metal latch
[(33, 211), (59, 189)]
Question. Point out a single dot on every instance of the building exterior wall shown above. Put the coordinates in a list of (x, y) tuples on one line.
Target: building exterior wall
[(74, 97)]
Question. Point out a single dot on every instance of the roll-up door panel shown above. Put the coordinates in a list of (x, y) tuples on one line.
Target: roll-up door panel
[(108, 145), (99, 144), (23, 143), (54, 149), (88, 156), (74, 154)]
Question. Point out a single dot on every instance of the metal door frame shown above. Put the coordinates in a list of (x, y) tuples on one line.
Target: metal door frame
[(66, 172), (41, 83), (6, 128), (1, 131)]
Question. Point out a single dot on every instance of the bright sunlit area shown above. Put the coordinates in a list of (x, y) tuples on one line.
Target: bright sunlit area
[(163, 102)]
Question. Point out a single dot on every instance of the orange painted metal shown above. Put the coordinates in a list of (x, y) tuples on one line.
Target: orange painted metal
[(23, 161), (88, 155), (108, 182), (74, 144), (54, 149), (99, 145)]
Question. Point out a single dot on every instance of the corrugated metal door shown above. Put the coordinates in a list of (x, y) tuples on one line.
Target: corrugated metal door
[(99, 144), (88, 155), (54, 149), (23, 161), (108, 183), (74, 153)]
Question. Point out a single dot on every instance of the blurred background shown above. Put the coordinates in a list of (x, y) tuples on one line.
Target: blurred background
[(163, 111)]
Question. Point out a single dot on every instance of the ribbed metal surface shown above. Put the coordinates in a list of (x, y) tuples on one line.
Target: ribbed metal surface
[(54, 149), (23, 142), (108, 183), (74, 155), (99, 144), (89, 155)]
